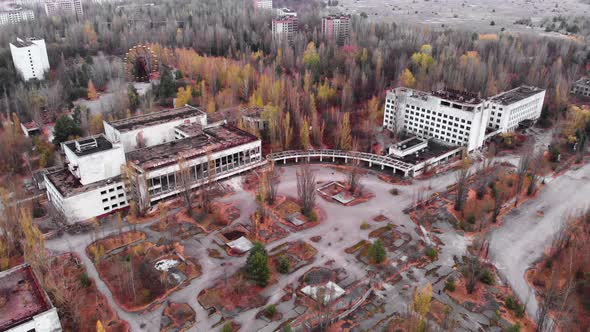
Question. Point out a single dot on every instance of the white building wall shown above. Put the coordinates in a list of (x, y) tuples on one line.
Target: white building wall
[(96, 166), (47, 321), (31, 61), (89, 204), (263, 4), (152, 135), (423, 115), (507, 117), (15, 16)]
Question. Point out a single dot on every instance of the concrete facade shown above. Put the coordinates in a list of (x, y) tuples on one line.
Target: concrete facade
[(447, 119), (11, 13), (263, 4), (153, 130), (509, 109), (336, 27), (285, 28), (581, 87), (63, 8), (30, 58)]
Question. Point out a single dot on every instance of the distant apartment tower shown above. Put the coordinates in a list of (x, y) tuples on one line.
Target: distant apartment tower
[(336, 27), (11, 13), (30, 58), (511, 108), (286, 12), (263, 4), (581, 87), (64, 8), (284, 28)]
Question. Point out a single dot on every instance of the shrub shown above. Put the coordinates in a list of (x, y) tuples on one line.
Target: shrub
[(227, 327), (394, 191), (450, 284), (311, 215), (511, 303), (487, 277), (365, 225), (85, 281), (284, 265), (271, 310), (471, 219), (377, 252), (431, 253), (514, 328)]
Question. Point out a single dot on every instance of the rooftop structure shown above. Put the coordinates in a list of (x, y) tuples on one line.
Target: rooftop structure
[(153, 128), (286, 12), (155, 118), (213, 139), (323, 293), (189, 130), (515, 95), (457, 96), (89, 145), (68, 185), (408, 146), (24, 305)]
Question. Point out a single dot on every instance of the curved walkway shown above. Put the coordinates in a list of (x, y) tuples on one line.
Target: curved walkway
[(372, 159)]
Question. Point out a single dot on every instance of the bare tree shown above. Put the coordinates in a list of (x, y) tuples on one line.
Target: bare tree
[(185, 180), (521, 172), (472, 271), (354, 179), (273, 180), (462, 177), (536, 165), (206, 187), (306, 189)]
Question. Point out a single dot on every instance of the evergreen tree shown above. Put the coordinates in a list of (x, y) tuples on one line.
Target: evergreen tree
[(167, 87), (377, 252), (257, 265), (65, 128)]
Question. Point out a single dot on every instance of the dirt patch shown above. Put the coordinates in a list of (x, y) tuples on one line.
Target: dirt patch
[(177, 317), (144, 274), (103, 247), (232, 296)]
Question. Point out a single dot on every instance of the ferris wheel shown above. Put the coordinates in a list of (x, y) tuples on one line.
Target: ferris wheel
[(140, 63)]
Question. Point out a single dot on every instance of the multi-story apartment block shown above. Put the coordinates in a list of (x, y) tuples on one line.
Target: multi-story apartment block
[(25, 305), (263, 4), (286, 12), (510, 108), (12, 13), (30, 58), (449, 117), (284, 28), (581, 87), (64, 8), (151, 148), (336, 27), (458, 118)]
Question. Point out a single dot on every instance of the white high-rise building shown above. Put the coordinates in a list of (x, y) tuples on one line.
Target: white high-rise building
[(30, 58), (336, 27), (284, 28), (458, 118), (510, 108), (448, 117), (11, 13), (263, 4), (64, 7)]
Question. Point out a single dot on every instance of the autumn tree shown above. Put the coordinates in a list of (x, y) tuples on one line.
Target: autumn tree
[(345, 135), (407, 79), (306, 190), (421, 302), (521, 172), (96, 125), (91, 94), (304, 135), (354, 179), (272, 180)]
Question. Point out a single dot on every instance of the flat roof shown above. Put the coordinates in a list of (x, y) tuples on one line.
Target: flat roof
[(213, 139), (69, 185), (434, 149), (585, 81), (463, 97), (9, 6), (252, 111), (192, 129), (409, 143), (152, 119), (516, 95), (102, 144), (22, 43), (22, 297)]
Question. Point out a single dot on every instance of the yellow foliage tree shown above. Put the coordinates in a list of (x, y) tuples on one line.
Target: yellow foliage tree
[(304, 135), (345, 138), (407, 78), (183, 96), (422, 300), (99, 327), (92, 94), (96, 125)]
